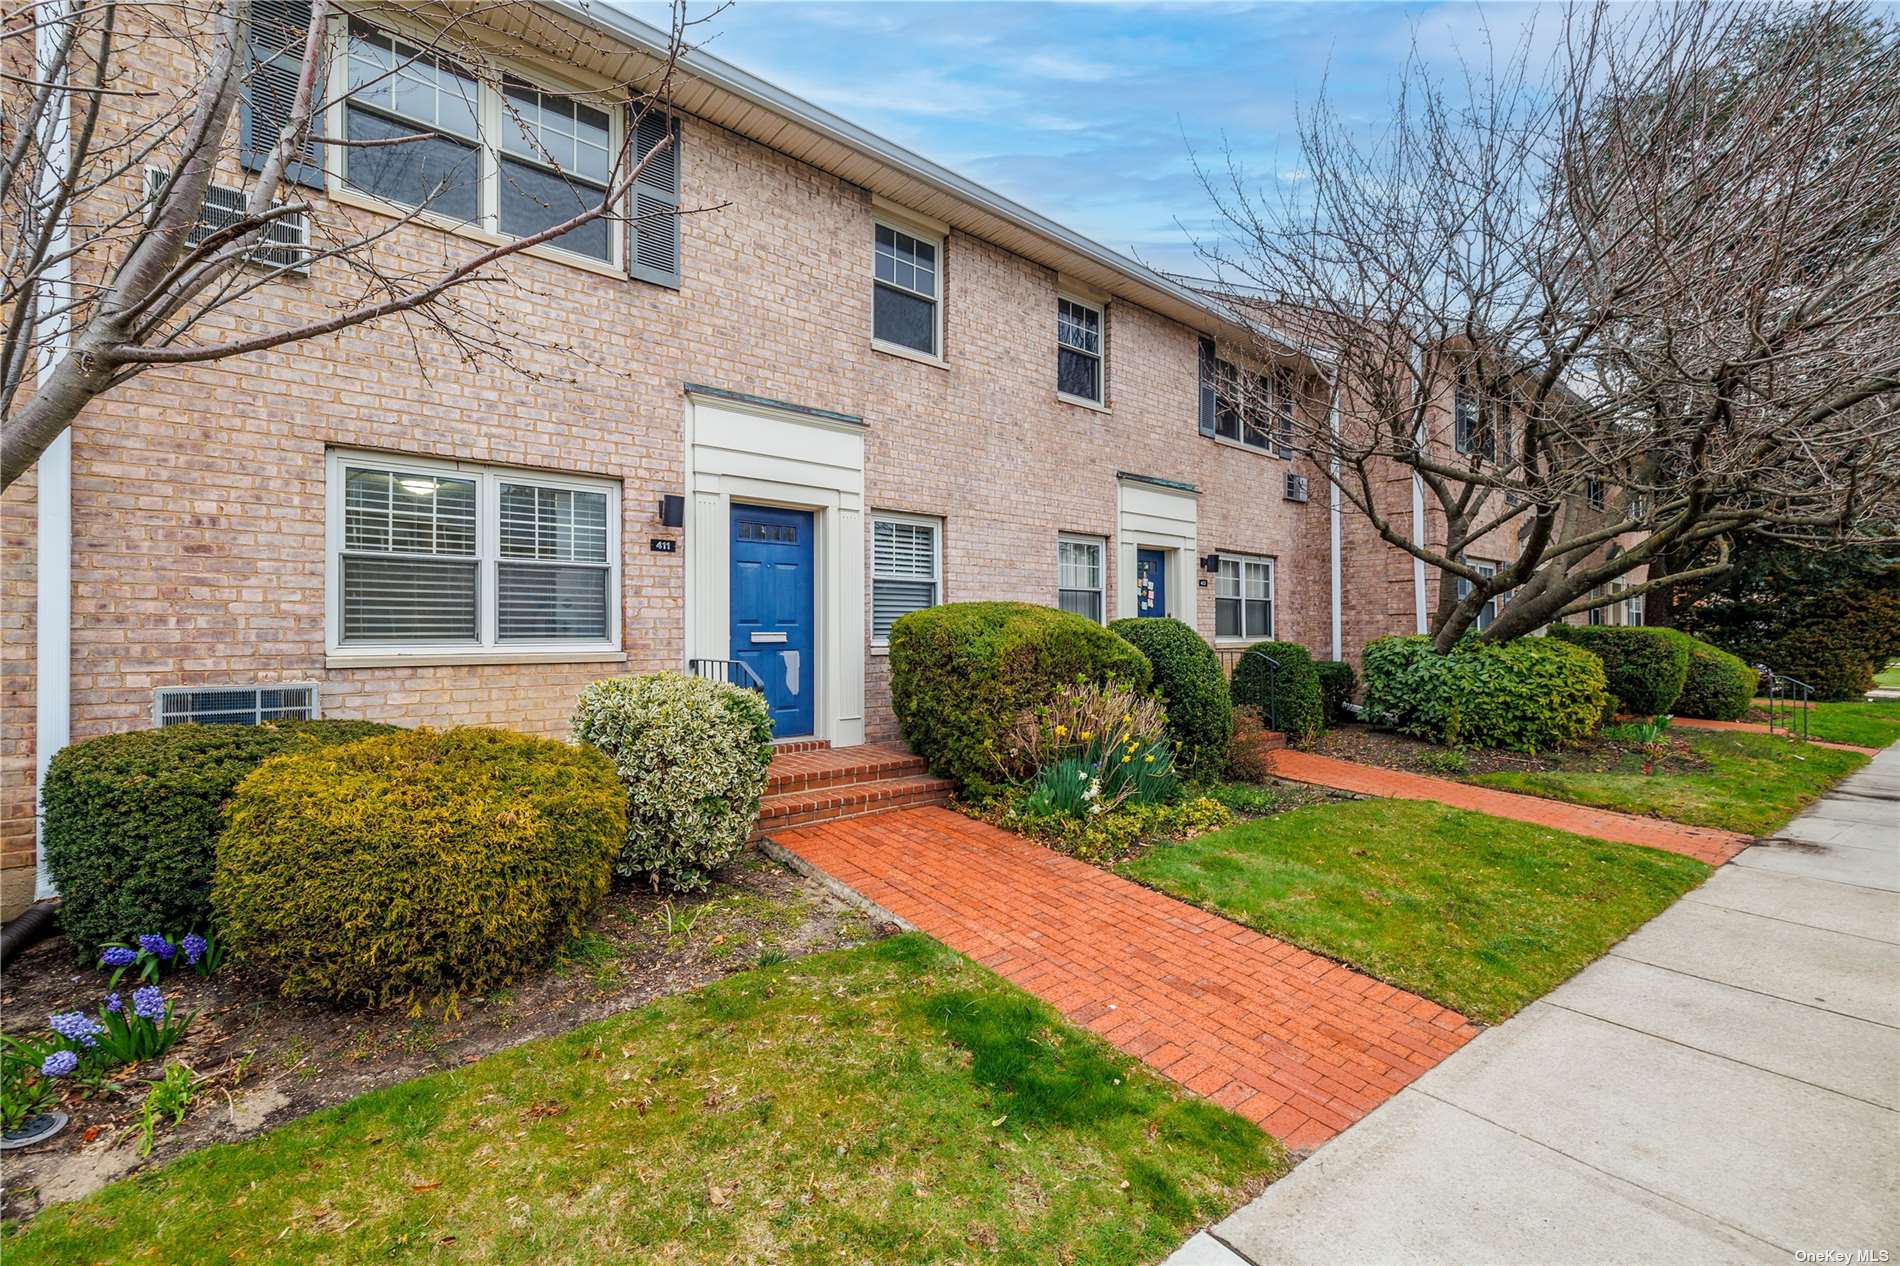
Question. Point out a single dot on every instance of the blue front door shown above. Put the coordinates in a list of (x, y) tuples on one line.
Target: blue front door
[(1151, 582), (772, 620)]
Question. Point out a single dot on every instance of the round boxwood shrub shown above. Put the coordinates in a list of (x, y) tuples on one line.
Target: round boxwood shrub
[(1187, 675), (131, 820), (1719, 686), (415, 866), (962, 673), (1646, 668), (692, 755), (1288, 698), (1337, 685), (1531, 694)]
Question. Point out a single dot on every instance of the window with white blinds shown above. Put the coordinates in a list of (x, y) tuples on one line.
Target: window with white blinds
[(431, 556), (1243, 598), (1079, 576), (906, 566)]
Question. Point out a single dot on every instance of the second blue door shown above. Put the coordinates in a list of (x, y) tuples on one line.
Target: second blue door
[(1151, 582), (772, 623)]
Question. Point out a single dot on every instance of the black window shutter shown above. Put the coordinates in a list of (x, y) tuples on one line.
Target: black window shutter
[(655, 253), (274, 60), (1208, 404)]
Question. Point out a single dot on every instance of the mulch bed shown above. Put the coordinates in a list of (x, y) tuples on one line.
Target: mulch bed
[(263, 1060), (1365, 745)]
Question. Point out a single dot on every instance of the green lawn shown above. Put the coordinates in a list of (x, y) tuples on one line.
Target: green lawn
[(1477, 913), (1862, 724), (1755, 782), (1889, 676), (889, 1103)]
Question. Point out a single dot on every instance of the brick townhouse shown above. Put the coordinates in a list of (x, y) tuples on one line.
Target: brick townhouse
[(859, 384)]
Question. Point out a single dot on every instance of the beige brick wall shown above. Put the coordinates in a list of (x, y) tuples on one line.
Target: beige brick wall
[(199, 491)]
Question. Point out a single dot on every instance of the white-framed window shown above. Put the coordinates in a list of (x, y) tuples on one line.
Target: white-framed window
[(1598, 615), (906, 569), (1481, 422), (1243, 598), (511, 157), (906, 288), (1079, 575), (429, 556), (1495, 603), (1079, 344), (1632, 609)]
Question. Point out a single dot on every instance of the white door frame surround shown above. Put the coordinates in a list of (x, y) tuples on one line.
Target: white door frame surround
[(766, 452), (1159, 514)]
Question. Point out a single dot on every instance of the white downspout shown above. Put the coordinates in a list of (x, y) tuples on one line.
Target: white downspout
[(53, 498), (1333, 516), (1418, 506)]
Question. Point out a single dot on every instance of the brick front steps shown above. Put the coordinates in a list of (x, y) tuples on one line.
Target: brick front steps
[(810, 782)]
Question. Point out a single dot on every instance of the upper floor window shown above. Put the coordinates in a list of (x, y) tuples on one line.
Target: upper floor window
[(1251, 409), (1479, 421), (553, 161), (1079, 350), (906, 569), (906, 291), (1243, 598), (446, 556), (1593, 492), (1079, 575)]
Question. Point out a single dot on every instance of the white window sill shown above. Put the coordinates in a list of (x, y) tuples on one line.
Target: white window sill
[(1083, 402), (1255, 449), (442, 656), (345, 196), (908, 353)]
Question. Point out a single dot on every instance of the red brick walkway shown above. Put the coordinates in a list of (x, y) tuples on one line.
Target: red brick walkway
[(1700, 842), (1755, 727), (1296, 1042)]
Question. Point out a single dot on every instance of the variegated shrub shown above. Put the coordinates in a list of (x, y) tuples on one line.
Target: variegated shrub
[(692, 755)]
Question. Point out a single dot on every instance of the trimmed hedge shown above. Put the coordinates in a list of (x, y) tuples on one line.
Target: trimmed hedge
[(415, 866), (1290, 699), (1845, 637), (131, 820), (1645, 668), (963, 672), (1530, 694), (1821, 658), (1187, 675), (692, 755), (1719, 686), (1337, 685)]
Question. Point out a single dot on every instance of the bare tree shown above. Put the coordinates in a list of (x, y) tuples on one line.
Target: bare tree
[(126, 124), (1606, 312)]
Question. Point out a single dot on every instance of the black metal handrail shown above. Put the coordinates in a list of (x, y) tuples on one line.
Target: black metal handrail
[(731, 672), (1786, 695)]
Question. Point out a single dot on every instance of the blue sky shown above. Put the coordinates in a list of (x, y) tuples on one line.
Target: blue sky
[(1085, 112)]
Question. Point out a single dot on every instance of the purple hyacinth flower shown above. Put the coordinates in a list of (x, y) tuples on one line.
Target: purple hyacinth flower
[(118, 956), (58, 1064), (74, 1026), (148, 1003), (194, 947), (157, 946), (113, 1004)]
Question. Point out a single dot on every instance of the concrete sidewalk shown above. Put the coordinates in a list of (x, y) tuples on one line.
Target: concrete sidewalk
[(1724, 1086)]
